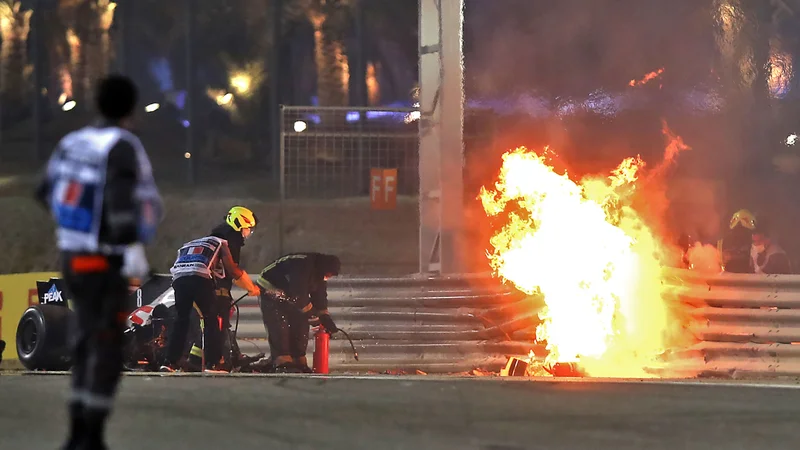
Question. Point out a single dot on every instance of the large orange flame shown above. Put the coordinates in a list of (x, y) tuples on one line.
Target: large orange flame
[(596, 262)]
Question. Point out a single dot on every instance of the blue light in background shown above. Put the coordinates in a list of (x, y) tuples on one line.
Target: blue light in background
[(315, 118), (159, 69)]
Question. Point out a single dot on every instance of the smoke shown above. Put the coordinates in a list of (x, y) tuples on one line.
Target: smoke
[(704, 258), (561, 73)]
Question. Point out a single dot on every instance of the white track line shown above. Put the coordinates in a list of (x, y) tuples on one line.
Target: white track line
[(789, 384)]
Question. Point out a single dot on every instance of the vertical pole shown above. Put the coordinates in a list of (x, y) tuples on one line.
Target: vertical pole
[(190, 90), (281, 181), (359, 97), (36, 43), (441, 159), (452, 135), (124, 19), (277, 150), (274, 88), (2, 98), (429, 134)]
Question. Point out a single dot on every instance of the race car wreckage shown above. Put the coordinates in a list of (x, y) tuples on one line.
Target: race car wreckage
[(42, 334)]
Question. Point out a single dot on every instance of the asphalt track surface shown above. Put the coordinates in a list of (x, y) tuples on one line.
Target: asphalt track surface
[(313, 412)]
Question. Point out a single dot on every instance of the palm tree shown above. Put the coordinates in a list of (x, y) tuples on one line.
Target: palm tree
[(15, 70), (90, 49), (385, 21), (94, 20), (329, 19), (61, 50)]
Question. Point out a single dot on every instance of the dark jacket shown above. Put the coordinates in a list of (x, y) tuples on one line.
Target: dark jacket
[(301, 276), (235, 244), (735, 248)]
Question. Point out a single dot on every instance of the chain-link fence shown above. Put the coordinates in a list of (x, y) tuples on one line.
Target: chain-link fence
[(328, 152)]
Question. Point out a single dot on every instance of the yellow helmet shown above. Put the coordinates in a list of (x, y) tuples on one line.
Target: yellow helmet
[(240, 217), (744, 217)]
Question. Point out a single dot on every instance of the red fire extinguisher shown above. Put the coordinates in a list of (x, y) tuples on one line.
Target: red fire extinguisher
[(321, 346)]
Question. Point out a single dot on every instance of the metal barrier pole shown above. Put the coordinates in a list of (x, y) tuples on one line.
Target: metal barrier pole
[(274, 86), (36, 44), (281, 179), (190, 156)]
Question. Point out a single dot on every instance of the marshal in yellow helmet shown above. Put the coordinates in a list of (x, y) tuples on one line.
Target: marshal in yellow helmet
[(745, 218), (240, 218)]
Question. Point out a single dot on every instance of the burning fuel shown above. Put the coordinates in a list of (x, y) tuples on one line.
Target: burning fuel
[(592, 257), (647, 78)]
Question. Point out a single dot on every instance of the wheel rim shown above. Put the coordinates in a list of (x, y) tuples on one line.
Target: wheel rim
[(29, 337)]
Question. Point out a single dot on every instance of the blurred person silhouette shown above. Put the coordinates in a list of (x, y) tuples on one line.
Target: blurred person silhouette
[(736, 242), (198, 266), (101, 193), (767, 257), (237, 227), (294, 289)]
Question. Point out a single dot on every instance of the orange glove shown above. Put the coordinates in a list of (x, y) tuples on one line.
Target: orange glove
[(247, 284)]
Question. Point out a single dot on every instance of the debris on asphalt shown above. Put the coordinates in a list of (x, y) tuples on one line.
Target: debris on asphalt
[(515, 367)]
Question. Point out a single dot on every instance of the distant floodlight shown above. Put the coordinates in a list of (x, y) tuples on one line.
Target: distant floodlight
[(70, 105), (791, 140), (187, 155), (300, 126), (413, 116), (241, 82), (152, 107)]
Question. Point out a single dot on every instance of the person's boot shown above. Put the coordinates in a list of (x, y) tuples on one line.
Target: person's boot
[(77, 427), (243, 359), (95, 424), (302, 365), (288, 368)]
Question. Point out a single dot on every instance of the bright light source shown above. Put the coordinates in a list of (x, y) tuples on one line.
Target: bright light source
[(412, 117), (226, 99), (791, 140), (300, 126), (70, 105), (241, 82), (187, 155), (62, 98), (152, 107)]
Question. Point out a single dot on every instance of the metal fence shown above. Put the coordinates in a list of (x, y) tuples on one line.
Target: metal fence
[(746, 325), (329, 152)]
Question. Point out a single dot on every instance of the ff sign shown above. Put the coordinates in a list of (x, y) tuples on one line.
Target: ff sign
[(383, 188)]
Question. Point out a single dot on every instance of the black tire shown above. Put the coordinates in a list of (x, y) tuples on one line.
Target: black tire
[(42, 338)]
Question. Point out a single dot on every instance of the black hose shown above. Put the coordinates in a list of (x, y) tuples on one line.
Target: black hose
[(235, 304), (355, 353)]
